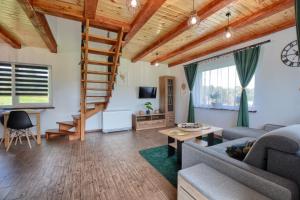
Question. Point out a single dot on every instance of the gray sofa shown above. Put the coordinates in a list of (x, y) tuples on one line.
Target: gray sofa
[(240, 132), (271, 168)]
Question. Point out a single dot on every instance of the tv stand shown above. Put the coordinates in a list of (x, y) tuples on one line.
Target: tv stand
[(151, 121)]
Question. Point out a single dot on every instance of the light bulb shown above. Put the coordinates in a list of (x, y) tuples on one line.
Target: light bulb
[(193, 20), (156, 64), (228, 33), (133, 3)]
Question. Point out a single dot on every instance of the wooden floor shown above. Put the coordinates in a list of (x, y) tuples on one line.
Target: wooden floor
[(105, 166)]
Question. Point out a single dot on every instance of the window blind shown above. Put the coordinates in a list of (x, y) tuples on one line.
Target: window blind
[(5, 79), (31, 80)]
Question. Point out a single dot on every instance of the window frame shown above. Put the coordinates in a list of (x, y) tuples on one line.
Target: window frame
[(199, 72), (15, 100)]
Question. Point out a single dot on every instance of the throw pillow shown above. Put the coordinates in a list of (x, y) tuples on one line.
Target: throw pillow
[(239, 151)]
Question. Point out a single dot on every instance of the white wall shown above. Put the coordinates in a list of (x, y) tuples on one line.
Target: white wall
[(277, 94), (66, 75)]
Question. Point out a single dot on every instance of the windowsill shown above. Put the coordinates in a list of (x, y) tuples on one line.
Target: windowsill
[(28, 107), (251, 110)]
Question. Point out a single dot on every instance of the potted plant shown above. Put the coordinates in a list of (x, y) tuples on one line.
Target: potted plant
[(215, 98), (148, 106)]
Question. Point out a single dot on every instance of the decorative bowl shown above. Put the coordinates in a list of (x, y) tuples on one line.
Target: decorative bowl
[(192, 127)]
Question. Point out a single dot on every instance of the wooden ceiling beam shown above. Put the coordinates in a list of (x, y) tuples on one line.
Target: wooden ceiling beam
[(255, 17), (9, 38), (203, 13), (240, 40), (148, 10), (40, 23), (74, 12), (90, 8)]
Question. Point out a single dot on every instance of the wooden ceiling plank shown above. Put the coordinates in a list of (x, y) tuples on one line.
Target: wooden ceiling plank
[(148, 10), (109, 24), (9, 38), (40, 23), (90, 8), (74, 12), (255, 17), (59, 9), (285, 25), (203, 13)]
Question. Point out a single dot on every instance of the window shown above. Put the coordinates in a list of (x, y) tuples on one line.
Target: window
[(25, 85), (220, 88), (5, 85)]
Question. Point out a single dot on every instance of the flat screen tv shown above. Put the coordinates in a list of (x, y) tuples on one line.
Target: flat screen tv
[(147, 92)]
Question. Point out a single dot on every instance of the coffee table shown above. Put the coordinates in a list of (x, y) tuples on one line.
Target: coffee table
[(176, 137)]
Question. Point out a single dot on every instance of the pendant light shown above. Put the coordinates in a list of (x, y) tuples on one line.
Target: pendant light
[(228, 33), (132, 6), (193, 19), (156, 64)]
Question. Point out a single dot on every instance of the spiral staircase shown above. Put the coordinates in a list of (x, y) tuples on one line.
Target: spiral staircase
[(99, 67)]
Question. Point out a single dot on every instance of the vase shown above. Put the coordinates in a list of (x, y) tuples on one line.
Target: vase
[(148, 112)]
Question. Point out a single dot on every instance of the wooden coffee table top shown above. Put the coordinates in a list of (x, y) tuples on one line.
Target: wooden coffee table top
[(180, 135)]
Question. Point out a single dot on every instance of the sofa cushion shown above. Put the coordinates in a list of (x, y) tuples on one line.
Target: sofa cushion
[(240, 132), (285, 139), (215, 185), (221, 148)]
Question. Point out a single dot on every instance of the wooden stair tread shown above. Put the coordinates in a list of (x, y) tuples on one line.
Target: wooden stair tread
[(97, 96), (95, 81), (96, 72), (99, 51), (89, 109), (103, 28), (59, 132), (97, 89), (95, 62), (96, 102), (98, 38), (69, 123)]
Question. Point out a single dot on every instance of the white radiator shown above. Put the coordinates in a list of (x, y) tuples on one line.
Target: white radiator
[(116, 120)]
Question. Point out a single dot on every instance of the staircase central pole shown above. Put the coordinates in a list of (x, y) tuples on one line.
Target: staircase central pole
[(84, 83)]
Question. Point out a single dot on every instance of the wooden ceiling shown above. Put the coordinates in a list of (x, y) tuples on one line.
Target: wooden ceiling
[(14, 21), (158, 26)]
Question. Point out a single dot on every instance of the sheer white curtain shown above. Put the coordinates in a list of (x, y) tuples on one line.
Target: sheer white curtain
[(217, 84)]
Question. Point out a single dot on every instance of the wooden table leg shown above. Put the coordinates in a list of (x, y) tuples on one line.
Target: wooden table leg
[(210, 139), (6, 133), (171, 150), (179, 152), (38, 128)]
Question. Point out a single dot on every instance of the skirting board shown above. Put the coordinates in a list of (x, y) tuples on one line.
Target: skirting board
[(116, 130)]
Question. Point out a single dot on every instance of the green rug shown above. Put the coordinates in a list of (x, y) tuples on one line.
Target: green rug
[(167, 166), (158, 158)]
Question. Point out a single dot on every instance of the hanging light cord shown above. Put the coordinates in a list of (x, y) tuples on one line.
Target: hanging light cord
[(193, 5), (228, 19), (228, 14)]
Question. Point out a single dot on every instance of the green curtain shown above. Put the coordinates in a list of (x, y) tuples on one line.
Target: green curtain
[(190, 74), (246, 63), (297, 12)]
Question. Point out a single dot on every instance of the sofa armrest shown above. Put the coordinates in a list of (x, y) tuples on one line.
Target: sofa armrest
[(272, 127), (268, 184)]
